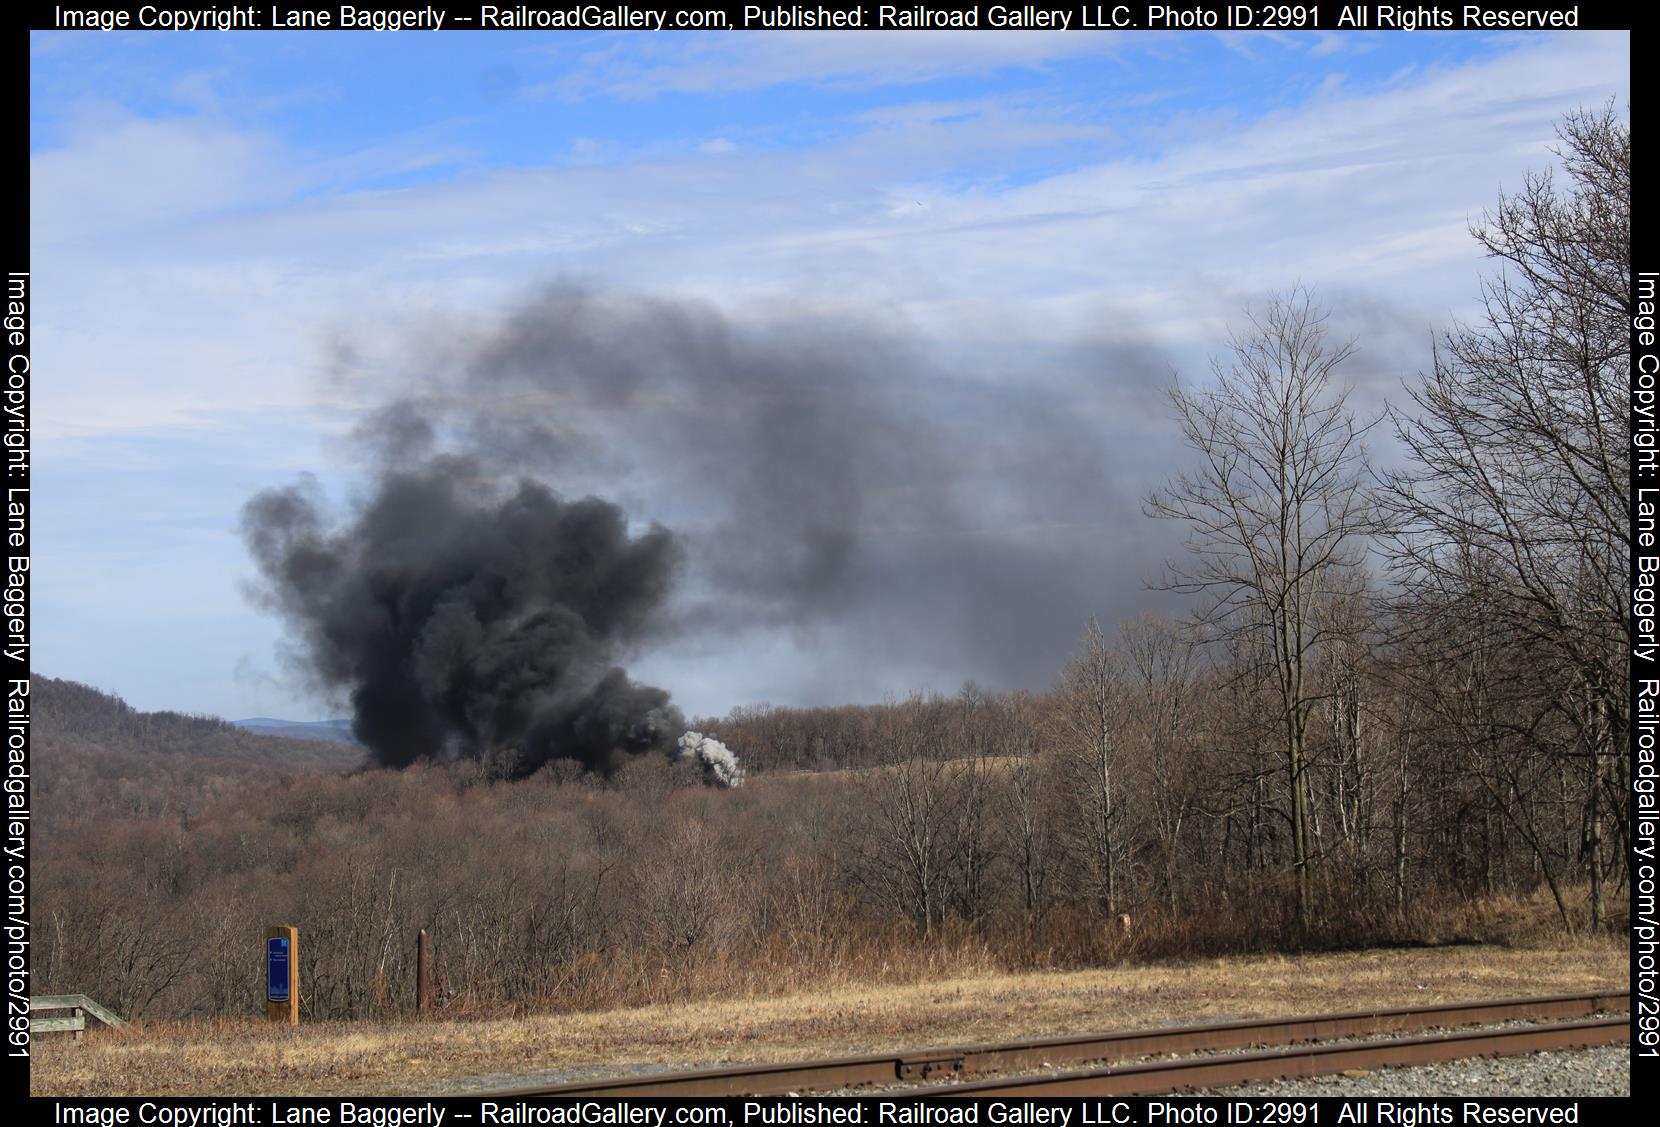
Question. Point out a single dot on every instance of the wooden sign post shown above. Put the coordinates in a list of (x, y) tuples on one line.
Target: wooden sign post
[(423, 975), (282, 974)]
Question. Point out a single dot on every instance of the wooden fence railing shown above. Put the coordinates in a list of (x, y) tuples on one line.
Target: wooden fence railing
[(47, 1014)]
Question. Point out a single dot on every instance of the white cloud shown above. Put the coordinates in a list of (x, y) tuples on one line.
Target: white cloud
[(118, 173), (754, 61), (197, 279)]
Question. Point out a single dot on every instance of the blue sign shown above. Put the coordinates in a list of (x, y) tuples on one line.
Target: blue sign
[(276, 969)]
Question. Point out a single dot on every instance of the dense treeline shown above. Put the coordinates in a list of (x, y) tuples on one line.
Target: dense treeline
[(1403, 694), (994, 833)]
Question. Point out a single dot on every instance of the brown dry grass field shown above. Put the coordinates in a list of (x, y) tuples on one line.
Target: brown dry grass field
[(409, 1058)]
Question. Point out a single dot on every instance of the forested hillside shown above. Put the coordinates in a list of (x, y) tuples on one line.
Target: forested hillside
[(96, 756)]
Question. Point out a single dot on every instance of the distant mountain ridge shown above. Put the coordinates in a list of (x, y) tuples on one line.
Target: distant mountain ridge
[(71, 715)]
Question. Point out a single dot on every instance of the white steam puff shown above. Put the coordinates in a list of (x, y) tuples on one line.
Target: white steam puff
[(717, 760)]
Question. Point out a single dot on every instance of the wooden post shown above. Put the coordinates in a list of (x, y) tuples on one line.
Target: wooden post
[(423, 980), (282, 974)]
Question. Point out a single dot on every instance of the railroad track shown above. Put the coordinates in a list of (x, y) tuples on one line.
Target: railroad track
[(1307, 1060), (1571, 1012)]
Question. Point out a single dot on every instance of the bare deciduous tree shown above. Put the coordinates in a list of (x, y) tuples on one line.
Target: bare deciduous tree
[(909, 810), (1028, 825), (1159, 665), (1515, 511), (1091, 716), (1276, 506)]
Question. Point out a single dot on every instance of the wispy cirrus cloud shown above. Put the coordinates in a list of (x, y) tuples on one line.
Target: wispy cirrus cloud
[(630, 67)]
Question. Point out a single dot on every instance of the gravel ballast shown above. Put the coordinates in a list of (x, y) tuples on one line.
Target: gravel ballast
[(1604, 1071)]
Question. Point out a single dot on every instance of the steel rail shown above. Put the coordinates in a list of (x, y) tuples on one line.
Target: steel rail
[(929, 1064), (1310, 1060)]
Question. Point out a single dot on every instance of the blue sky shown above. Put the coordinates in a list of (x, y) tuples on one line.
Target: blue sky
[(488, 101), (239, 239)]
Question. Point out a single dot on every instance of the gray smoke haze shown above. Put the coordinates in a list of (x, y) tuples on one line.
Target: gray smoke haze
[(818, 476)]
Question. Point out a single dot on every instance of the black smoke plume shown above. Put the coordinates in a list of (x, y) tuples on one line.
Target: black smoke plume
[(900, 520), (468, 619)]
